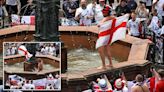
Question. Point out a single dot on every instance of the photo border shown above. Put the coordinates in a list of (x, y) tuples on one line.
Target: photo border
[(56, 90)]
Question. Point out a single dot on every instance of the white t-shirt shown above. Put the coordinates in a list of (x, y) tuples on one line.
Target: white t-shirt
[(154, 24), (50, 81), (8, 52), (84, 13), (134, 27), (27, 86), (159, 7), (125, 89), (46, 50), (32, 86), (148, 2), (57, 83), (13, 50), (13, 87), (97, 10), (43, 51), (20, 83), (11, 2), (48, 87), (52, 50), (162, 30), (130, 85), (16, 90)]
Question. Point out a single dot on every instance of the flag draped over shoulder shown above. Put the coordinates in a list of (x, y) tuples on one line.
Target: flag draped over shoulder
[(23, 51), (112, 30)]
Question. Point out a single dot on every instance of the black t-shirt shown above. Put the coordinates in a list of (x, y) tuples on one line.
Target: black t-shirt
[(120, 9), (132, 5), (23, 3), (69, 5)]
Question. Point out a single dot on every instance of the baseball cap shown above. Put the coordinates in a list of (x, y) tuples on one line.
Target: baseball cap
[(102, 83)]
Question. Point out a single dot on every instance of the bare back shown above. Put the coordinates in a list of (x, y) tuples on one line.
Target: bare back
[(138, 88), (106, 19)]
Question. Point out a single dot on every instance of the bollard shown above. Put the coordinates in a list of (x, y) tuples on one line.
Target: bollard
[(63, 59)]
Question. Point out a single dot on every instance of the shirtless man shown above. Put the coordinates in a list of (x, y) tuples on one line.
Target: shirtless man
[(140, 86), (40, 65), (105, 49)]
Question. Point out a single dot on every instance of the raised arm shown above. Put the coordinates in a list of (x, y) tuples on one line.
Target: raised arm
[(108, 83)]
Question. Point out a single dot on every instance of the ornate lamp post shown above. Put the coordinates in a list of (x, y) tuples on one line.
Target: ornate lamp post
[(46, 27)]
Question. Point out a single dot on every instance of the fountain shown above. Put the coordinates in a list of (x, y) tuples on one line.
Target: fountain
[(15, 65), (131, 53)]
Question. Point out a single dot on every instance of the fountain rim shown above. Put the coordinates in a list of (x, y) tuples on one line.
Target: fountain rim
[(37, 56), (136, 43)]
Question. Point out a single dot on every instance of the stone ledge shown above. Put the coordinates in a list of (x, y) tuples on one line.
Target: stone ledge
[(35, 73), (94, 72), (16, 29), (38, 56)]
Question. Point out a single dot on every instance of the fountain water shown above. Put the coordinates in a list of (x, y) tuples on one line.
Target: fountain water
[(83, 59)]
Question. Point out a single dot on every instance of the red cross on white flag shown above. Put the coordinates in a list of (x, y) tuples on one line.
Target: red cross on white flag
[(23, 51), (112, 30), (30, 20), (24, 20)]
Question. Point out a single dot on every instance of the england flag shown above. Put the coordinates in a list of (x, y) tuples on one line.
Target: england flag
[(23, 20), (23, 51), (30, 20), (15, 19), (112, 30)]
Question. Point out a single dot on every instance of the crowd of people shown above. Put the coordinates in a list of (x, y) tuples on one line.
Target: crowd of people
[(50, 82), (145, 14), (11, 49), (17, 7), (49, 49), (42, 49), (139, 84), (146, 17)]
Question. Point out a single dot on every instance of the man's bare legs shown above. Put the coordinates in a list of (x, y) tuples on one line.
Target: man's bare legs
[(109, 56), (101, 51), (105, 51)]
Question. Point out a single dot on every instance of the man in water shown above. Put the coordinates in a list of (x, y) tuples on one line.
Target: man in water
[(40, 65)]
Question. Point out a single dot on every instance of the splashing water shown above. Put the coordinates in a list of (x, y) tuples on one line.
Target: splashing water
[(83, 59)]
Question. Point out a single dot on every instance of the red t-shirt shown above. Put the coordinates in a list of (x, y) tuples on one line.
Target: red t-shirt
[(160, 86), (152, 84)]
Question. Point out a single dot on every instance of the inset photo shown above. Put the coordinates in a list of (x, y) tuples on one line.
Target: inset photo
[(32, 65)]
